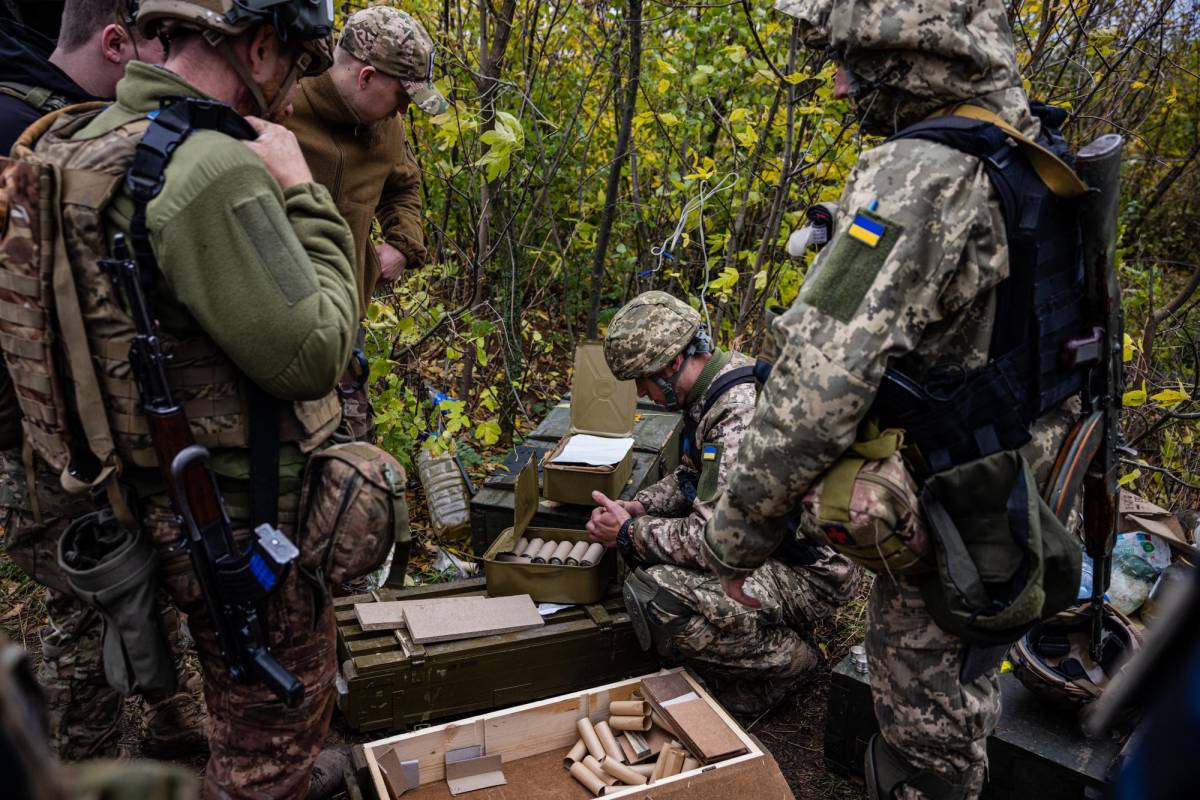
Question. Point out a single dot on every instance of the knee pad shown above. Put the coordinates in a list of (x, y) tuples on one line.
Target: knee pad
[(656, 614), (887, 770)]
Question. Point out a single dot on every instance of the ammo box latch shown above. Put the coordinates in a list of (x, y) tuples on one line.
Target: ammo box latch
[(600, 616)]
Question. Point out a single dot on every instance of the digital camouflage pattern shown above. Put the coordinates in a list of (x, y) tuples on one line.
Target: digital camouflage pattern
[(922, 296), (909, 58), (394, 43), (647, 333), (672, 531), (762, 653)]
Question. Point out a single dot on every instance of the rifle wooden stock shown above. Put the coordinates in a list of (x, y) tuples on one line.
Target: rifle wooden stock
[(171, 434)]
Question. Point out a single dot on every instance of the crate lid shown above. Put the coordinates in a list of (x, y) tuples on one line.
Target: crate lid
[(525, 497), (601, 405)]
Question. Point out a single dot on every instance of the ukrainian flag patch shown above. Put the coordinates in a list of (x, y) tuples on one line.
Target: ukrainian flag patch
[(709, 453), (866, 230)]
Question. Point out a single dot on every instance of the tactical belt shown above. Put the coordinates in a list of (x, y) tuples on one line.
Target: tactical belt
[(175, 120)]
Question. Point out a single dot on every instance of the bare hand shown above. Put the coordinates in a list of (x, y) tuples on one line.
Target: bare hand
[(634, 507), (607, 519), (734, 587), (391, 262), (280, 153)]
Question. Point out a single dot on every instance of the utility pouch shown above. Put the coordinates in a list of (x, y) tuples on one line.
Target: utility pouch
[(865, 507), (115, 570), (352, 511), (1004, 560)]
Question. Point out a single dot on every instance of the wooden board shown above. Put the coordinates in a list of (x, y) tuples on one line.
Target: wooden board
[(700, 725), (389, 615), (471, 617)]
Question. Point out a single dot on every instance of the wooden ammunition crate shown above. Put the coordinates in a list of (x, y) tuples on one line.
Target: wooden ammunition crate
[(656, 435), (387, 682)]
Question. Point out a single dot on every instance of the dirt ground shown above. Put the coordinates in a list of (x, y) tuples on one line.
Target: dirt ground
[(791, 731)]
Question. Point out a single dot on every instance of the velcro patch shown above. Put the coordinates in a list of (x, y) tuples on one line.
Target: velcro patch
[(849, 269)]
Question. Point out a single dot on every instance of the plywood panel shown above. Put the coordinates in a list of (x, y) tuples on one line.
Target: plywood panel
[(476, 616), (389, 614)]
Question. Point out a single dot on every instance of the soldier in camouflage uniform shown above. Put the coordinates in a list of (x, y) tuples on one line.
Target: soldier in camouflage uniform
[(752, 658), (922, 295)]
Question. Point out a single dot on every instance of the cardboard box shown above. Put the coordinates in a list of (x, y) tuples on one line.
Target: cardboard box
[(601, 405), (531, 741), (545, 583)]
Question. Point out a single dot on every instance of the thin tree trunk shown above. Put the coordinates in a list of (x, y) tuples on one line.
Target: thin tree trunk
[(634, 18)]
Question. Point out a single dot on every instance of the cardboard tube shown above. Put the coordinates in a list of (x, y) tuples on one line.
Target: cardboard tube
[(609, 742), (629, 723), (589, 779), (520, 546), (544, 553), (532, 546), (660, 764), (629, 708), (593, 554), (577, 753), (576, 553), (622, 773), (690, 764), (590, 740), (597, 769), (560, 552), (674, 762), (643, 769)]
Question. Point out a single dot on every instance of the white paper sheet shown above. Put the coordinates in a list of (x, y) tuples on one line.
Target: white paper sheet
[(597, 451)]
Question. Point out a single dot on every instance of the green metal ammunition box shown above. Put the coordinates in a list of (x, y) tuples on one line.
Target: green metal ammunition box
[(387, 682), (656, 435)]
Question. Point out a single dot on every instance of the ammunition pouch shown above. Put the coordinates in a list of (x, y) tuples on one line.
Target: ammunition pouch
[(656, 614), (886, 770), (352, 513), (1004, 561), (115, 570)]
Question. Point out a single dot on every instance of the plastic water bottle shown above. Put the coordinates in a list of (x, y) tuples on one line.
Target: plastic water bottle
[(446, 494)]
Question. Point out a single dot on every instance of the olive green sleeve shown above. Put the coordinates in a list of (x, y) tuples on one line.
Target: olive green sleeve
[(268, 274)]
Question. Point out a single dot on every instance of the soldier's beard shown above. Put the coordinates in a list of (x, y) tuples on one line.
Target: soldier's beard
[(370, 135)]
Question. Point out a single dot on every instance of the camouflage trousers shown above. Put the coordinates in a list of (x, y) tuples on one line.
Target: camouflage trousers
[(925, 711), (257, 746), (769, 644), (84, 711)]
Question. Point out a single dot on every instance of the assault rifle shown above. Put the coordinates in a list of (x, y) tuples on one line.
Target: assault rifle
[(234, 582)]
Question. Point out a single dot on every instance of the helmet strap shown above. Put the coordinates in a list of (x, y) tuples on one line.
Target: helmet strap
[(667, 385), (266, 108)]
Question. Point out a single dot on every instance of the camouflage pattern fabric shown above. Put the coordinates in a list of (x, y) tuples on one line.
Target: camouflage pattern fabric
[(921, 295), (761, 653), (672, 531), (394, 43), (924, 711), (257, 747), (647, 333), (908, 58), (84, 710)]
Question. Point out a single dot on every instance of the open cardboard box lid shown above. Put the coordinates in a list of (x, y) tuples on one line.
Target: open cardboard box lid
[(525, 498), (601, 405)]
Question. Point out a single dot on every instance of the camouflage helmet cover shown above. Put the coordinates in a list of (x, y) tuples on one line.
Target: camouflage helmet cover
[(293, 20), (394, 43), (647, 333), (912, 57)]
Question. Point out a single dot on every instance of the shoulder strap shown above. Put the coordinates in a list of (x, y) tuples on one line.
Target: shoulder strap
[(719, 386), (37, 97)]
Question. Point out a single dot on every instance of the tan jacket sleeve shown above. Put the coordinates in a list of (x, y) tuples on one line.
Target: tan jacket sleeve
[(399, 211)]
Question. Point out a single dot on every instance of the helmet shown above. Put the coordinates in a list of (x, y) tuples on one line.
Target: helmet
[(647, 333), (306, 23), (293, 20), (1053, 662)]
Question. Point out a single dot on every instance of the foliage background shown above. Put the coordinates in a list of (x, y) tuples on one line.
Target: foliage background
[(733, 133)]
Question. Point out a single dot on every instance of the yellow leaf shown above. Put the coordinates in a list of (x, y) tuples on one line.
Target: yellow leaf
[(1129, 477), (738, 114), (668, 119), (1134, 398), (1137, 85), (1128, 348), (488, 432), (663, 86), (794, 77), (1170, 396)]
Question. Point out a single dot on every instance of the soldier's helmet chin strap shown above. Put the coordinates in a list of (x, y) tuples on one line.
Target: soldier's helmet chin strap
[(701, 343), (266, 108)]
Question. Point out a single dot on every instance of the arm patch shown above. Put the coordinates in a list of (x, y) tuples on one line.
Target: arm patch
[(710, 471), (266, 226), (854, 261)]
